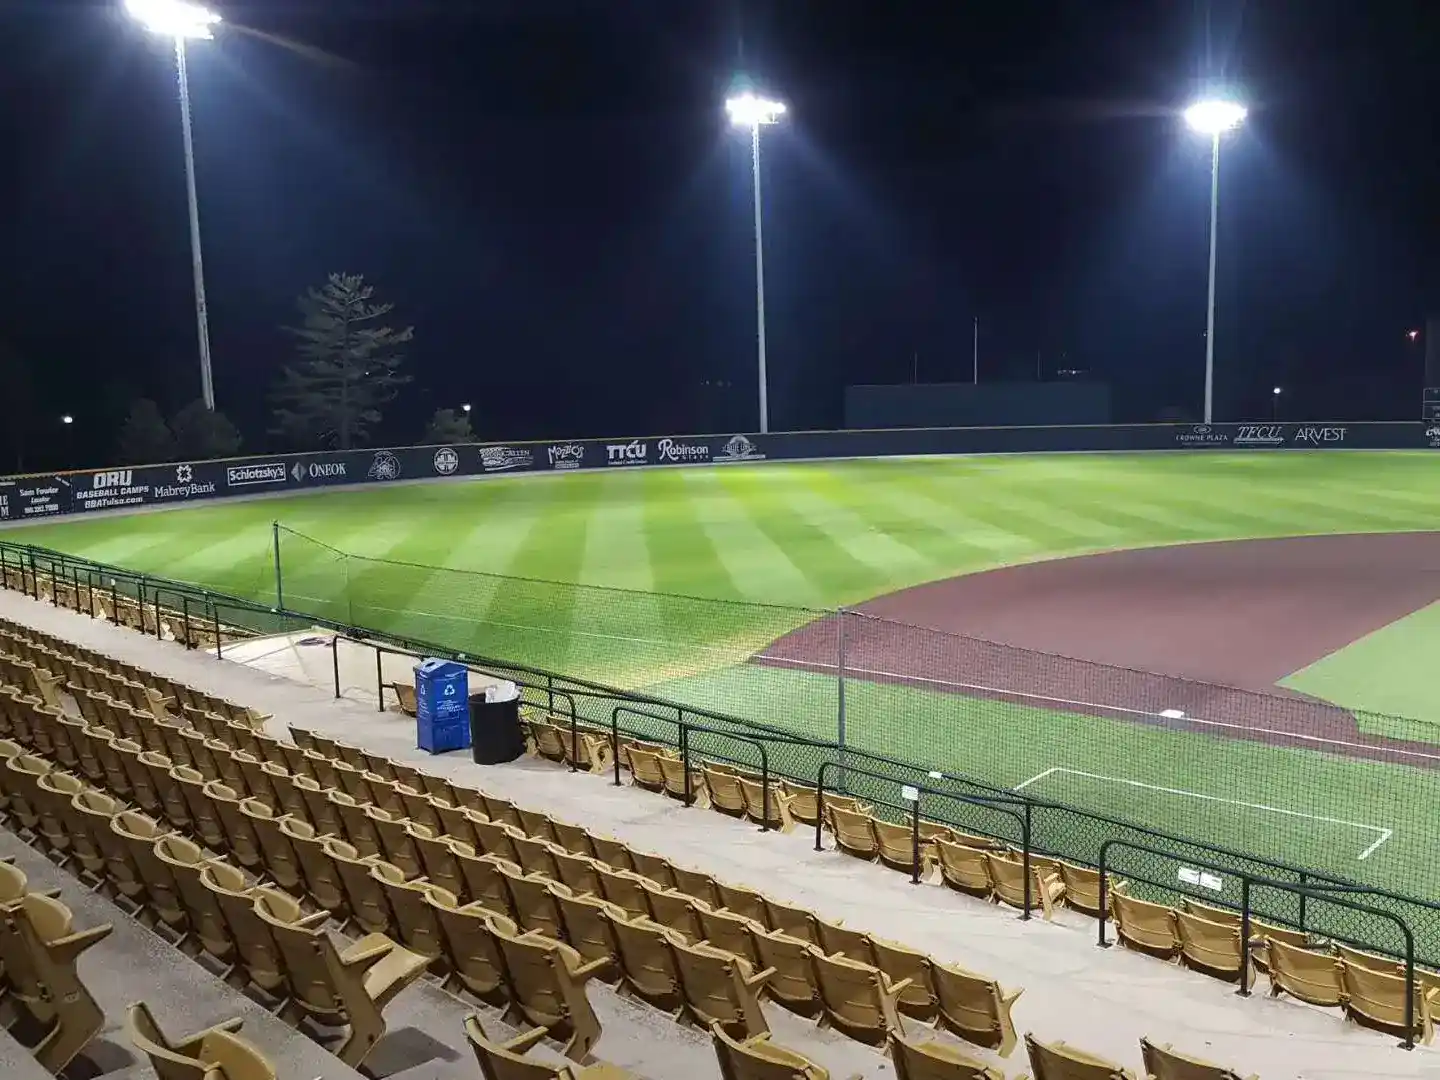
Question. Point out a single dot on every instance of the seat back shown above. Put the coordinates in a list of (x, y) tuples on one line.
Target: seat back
[(763, 804), (255, 947), (356, 826), (279, 855), (204, 815), (936, 1061), (796, 921), (483, 883), (726, 794), (496, 838), (475, 959), (535, 856), (673, 909), (207, 922), (793, 985), (235, 1058), (1211, 947), (613, 853), (437, 858), (532, 903), (654, 867), (1056, 1061), (1148, 927), (835, 938), (623, 888), (1310, 976), (720, 988), (166, 1059), (241, 839), (965, 868), (586, 922), (733, 933), (760, 1059), (900, 963), (302, 949), (647, 962), (745, 902), (1377, 999), (139, 833), (498, 1062), (369, 905), (1082, 887), (856, 997), (322, 880), (1164, 1063), (696, 883), (397, 847), (88, 814), (577, 872), (854, 833), (974, 1007), (645, 768), (546, 984), (415, 921)]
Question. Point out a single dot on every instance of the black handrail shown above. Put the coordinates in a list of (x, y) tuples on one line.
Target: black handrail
[(686, 727), (998, 804), (1249, 881)]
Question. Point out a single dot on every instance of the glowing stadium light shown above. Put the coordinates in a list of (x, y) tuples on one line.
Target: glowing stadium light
[(182, 21), (173, 18), (67, 419), (1276, 391), (465, 408), (752, 112), (748, 110), (1413, 335), (1213, 117)]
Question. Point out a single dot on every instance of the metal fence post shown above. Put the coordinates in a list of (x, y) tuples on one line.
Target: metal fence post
[(279, 580), (840, 719), (1244, 990), (335, 662)]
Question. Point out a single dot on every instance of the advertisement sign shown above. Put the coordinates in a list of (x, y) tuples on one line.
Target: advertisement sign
[(28, 497)]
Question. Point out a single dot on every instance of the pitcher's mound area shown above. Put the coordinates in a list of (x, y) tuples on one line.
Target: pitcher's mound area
[(1240, 614)]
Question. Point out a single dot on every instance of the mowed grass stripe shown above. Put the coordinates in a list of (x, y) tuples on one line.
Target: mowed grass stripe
[(756, 562), (682, 557)]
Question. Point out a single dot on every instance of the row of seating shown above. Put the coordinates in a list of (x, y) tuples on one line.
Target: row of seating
[(194, 629), (671, 941), (1371, 990)]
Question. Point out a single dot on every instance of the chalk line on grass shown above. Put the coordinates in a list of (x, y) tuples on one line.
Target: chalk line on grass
[(1383, 834)]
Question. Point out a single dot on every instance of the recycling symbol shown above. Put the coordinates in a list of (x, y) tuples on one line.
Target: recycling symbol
[(449, 690)]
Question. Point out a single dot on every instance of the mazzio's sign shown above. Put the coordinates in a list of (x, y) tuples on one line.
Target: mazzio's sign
[(28, 498)]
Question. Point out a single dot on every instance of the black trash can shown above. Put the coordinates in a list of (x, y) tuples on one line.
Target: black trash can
[(495, 735)]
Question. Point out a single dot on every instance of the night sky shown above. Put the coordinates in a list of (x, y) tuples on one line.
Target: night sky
[(548, 190)]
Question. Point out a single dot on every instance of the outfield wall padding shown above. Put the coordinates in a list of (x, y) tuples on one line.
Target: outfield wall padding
[(51, 494)]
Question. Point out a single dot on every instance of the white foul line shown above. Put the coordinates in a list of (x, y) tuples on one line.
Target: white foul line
[(1047, 698), (1384, 834)]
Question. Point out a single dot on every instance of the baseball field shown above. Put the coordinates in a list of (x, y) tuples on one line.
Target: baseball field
[(1222, 645)]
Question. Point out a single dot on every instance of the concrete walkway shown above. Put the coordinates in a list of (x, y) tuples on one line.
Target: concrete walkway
[(1099, 1000)]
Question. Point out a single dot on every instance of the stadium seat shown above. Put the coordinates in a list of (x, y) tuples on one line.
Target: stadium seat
[(723, 787), (965, 869), (766, 805), (474, 958), (39, 949), (793, 985), (397, 847), (1376, 999), (858, 999), (209, 930), (161, 904), (496, 838), (673, 909), (975, 1008), (1056, 1061), (532, 902), (506, 1061), (733, 933), (761, 1059), (645, 769), (535, 855), (204, 815), (1145, 927), (744, 901), (648, 966), (623, 889), (679, 783), (586, 922), (405, 695), (416, 926), (280, 860), (259, 962), (721, 988), (1209, 947), (546, 983), (902, 964), (1314, 977), (349, 988), (697, 883), (935, 1060), (854, 833), (1007, 874), (654, 867), (483, 883), (1164, 1063), (89, 815), (796, 921), (838, 938), (213, 1054), (364, 896), (242, 841)]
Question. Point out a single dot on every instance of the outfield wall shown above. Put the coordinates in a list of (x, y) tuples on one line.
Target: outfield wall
[(44, 495)]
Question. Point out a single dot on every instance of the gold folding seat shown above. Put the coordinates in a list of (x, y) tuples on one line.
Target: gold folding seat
[(357, 827), (858, 999), (349, 987), (696, 883), (281, 862), (472, 956), (369, 904), (792, 920), (204, 815), (484, 883), (397, 847), (838, 938), (208, 927), (1057, 1061), (674, 910), (495, 838), (793, 985), (613, 853), (89, 817), (322, 881), (758, 1058), (624, 889), (975, 1008), (577, 873), (241, 840), (258, 958), (647, 963), (161, 903), (533, 904), (720, 988), (654, 867), (743, 901), (438, 859), (1165, 1063), (535, 856), (586, 922), (901, 964), (546, 987), (415, 921)]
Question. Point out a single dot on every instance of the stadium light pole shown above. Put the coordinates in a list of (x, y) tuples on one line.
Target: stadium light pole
[(183, 21), (1214, 118), (1275, 404), (748, 111)]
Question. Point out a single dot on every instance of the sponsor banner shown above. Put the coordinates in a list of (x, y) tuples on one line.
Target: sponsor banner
[(29, 497), (566, 455), (495, 459), (636, 452)]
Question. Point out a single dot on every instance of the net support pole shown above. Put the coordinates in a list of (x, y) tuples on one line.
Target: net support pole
[(840, 694), (279, 577)]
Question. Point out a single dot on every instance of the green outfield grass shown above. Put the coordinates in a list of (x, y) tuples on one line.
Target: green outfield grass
[(801, 536)]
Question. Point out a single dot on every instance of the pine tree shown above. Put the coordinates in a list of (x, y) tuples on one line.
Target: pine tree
[(145, 438), (447, 426), (202, 434), (349, 366)]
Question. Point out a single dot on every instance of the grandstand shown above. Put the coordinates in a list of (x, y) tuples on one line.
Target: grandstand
[(228, 843)]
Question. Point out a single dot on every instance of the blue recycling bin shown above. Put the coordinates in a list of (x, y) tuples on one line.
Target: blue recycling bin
[(442, 719)]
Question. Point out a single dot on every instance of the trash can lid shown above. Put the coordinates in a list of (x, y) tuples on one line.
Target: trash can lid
[(433, 667)]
